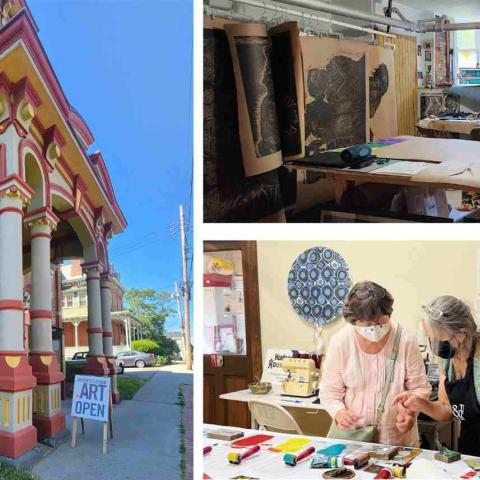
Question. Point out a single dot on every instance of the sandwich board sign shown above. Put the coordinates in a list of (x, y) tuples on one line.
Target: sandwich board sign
[(90, 397), (92, 401)]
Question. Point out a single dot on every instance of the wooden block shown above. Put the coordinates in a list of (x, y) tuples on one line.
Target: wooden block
[(447, 456)]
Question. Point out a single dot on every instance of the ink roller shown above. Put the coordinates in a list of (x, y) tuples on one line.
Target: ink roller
[(207, 450), (383, 473), (236, 458), (358, 460), (292, 460), (356, 154)]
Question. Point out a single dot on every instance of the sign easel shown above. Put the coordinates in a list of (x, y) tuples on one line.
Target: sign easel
[(92, 400)]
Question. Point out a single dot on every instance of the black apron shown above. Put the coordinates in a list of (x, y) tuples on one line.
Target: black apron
[(466, 409)]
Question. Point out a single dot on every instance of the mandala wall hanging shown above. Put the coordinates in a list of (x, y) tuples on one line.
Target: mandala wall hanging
[(318, 282)]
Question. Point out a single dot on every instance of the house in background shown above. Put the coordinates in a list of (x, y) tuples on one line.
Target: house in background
[(178, 337), (125, 326)]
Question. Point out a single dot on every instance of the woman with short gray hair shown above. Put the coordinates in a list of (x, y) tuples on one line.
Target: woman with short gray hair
[(367, 364), (454, 337)]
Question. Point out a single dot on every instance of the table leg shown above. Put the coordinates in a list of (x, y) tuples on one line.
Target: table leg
[(339, 187)]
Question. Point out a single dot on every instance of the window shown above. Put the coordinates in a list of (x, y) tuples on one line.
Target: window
[(83, 299), (224, 328), (67, 300), (468, 44)]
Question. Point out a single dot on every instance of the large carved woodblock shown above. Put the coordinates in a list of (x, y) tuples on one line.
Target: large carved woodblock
[(287, 71)]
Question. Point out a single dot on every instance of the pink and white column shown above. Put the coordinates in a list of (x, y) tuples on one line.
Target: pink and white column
[(47, 412), (96, 361), (106, 292), (17, 434)]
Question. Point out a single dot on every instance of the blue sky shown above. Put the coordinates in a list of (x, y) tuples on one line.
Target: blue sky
[(126, 66)]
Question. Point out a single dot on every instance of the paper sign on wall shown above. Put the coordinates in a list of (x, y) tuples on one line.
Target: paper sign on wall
[(272, 366), (91, 397)]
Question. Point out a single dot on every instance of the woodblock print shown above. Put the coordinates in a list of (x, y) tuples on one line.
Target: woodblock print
[(336, 93), (259, 135)]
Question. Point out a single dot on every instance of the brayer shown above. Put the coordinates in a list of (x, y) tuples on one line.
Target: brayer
[(292, 460), (207, 450), (236, 458)]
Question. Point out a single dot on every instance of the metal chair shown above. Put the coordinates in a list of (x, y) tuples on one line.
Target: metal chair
[(273, 418)]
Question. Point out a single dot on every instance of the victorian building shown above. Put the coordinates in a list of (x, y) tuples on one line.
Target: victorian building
[(56, 203), (74, 313)]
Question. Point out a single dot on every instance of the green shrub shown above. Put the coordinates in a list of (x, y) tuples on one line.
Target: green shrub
[(146, 346), (161, 360), (72, 369)]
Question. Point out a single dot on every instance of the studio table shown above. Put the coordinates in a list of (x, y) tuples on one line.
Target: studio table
[(270, 465)]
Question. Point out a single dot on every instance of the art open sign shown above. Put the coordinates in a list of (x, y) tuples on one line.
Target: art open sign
[(91, 397)]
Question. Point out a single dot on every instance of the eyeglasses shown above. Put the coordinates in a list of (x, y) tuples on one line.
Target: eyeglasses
[(433, 312), (362, 293)]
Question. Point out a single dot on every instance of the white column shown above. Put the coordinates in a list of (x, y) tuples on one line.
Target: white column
[(128, 333), (106, 298), (16, 381), (47, 412), (41, 300), (76, 323), (96, 363), (11, 274), (95, 342)]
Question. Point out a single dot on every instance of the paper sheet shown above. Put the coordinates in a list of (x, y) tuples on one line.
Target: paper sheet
[(401, 168)]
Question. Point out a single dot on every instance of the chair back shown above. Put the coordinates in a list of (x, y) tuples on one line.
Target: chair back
[(273, 417)]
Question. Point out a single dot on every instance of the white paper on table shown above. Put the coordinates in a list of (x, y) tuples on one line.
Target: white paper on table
[(404, 167)]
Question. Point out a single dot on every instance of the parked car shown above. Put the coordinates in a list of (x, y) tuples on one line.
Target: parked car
[(132, 358), (80, 358)]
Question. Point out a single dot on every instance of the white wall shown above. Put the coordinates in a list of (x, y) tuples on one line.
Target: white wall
[(414, 272)]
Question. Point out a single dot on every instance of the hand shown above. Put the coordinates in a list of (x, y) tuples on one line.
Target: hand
[(410, 401), (405, 420), (346, 420)]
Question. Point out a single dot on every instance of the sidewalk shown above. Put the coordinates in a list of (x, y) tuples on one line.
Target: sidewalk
[(146, 436)]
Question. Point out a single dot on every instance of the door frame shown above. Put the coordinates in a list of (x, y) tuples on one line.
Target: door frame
[(252, 314)]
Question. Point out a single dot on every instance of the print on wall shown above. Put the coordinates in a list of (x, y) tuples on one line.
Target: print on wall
[(318, 282), (257, 114), (229, 196)]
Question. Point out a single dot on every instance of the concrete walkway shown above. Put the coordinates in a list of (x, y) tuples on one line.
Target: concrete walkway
[(146, 436)]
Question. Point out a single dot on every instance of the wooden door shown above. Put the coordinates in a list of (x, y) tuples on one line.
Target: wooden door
[(233, 336)]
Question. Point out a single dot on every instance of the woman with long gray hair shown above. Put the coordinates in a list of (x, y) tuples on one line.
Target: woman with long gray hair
[(454, 337)]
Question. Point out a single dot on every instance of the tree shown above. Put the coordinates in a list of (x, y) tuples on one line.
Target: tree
[(152, 307)]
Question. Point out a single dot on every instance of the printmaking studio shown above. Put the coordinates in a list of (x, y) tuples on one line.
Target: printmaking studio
[(341, 359), (341, 111)]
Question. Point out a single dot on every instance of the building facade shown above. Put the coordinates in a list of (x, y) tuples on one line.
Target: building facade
[(56, 203), (74, 312)]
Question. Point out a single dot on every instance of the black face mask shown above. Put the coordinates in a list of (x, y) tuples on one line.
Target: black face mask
[(443, 349)]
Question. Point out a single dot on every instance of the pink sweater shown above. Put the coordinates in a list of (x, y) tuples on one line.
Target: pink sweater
[(354, 380)]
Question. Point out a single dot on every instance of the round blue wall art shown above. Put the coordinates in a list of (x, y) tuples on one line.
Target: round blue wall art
[(318, 283)]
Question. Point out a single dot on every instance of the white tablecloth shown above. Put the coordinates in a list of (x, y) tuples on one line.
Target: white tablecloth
[(270, 465)]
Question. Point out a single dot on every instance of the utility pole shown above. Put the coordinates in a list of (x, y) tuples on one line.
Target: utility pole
[(176, 295), (186, 294)]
